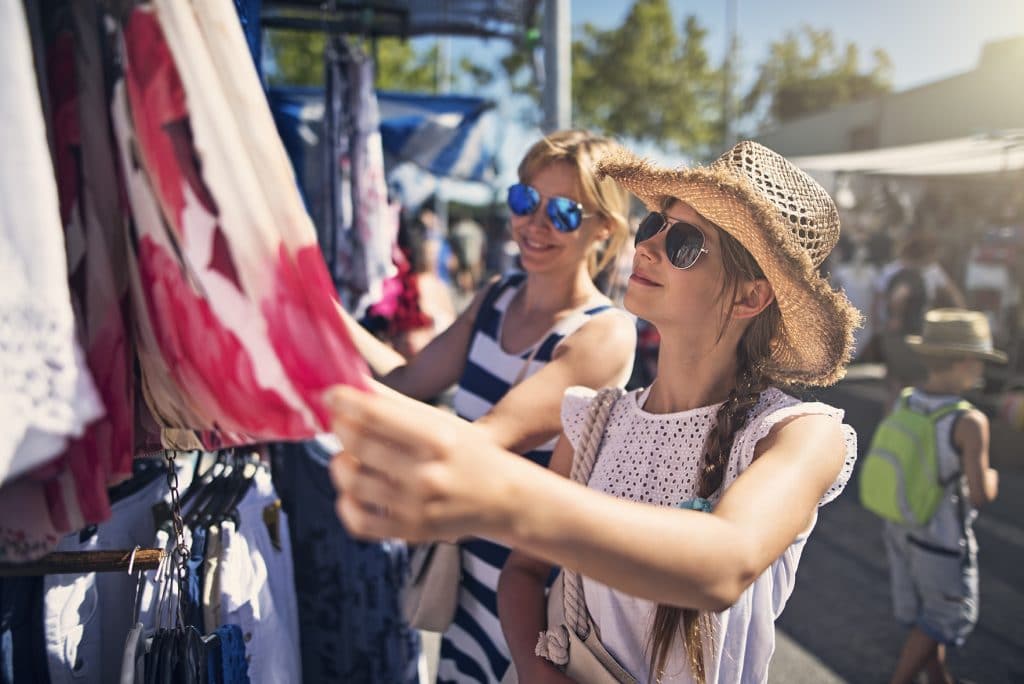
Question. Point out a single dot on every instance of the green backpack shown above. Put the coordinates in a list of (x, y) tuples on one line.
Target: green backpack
[(899, 480)]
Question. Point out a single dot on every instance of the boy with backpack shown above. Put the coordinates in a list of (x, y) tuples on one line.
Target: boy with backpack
[(926, 472)]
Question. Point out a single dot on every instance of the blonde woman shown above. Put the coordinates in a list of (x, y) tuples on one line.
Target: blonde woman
[(706, 484), (521, 343)]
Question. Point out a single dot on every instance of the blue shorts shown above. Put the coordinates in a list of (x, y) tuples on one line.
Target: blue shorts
[(934, 588)]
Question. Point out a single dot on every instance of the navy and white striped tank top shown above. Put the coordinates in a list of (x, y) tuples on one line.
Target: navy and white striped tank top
[(474, 649)]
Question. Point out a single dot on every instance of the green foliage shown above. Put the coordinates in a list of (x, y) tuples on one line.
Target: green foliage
[(645, 81), (806, 73), (299, 60)]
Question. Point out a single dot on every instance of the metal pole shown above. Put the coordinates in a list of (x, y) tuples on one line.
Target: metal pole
[(557, 66), (730, 53)]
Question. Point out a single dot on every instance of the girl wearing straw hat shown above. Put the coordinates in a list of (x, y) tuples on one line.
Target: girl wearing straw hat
[(701, 489)]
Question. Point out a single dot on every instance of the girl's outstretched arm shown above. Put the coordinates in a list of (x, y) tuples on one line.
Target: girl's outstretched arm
[(416, 472)]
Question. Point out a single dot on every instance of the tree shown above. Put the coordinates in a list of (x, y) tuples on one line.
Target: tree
[(299, 60), (641, 80), (796, 80), (645, 81)]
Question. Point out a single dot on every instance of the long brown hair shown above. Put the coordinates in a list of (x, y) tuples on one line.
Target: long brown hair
[(753, 352)]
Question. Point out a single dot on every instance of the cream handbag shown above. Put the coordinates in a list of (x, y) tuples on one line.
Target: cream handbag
[(430, 595), (572, 640)]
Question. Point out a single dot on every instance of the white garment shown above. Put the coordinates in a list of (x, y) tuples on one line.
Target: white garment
[(257, 585), (654, 458), (46, 394), (86, 617)]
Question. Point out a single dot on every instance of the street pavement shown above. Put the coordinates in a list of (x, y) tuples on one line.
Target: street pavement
[(838, 625)]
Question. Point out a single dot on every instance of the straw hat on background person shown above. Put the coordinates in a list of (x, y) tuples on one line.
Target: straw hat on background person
[(956, 333), (788, 223)]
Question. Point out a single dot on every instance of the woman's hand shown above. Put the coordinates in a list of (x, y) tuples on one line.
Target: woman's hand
[(412, 471)]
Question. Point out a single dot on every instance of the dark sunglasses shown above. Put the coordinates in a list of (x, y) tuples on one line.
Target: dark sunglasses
[(566, 214), (684, 242)]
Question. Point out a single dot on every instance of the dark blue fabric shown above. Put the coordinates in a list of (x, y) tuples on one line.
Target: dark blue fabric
[(234, 668), (193, 603), (249, 17), (350, 624), (22, 645)]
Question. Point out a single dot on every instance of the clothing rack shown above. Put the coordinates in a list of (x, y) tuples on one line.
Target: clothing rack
[(378, 19), (79, 562)]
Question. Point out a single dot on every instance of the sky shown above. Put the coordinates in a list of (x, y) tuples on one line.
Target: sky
[(926, 40)]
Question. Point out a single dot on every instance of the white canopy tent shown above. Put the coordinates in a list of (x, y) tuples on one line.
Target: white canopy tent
[(974, 155)]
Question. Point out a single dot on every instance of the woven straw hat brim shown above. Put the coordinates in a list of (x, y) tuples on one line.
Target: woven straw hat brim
[(917, 343), (816, 340)]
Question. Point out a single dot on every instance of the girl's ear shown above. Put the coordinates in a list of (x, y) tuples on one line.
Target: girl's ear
[(752, 297)]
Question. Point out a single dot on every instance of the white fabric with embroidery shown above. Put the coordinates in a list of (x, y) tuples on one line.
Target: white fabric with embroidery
[(654, 458), (46, 393)]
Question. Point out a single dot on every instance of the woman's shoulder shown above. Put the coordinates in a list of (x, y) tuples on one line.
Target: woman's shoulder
[(775, 408)]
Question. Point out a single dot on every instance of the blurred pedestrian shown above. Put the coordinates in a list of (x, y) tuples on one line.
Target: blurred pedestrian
[(468, 241), (433, 295), (856, 277), (906, 288), (927, 472)]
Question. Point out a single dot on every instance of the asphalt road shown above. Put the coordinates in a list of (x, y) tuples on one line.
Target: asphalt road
[(838, 625)]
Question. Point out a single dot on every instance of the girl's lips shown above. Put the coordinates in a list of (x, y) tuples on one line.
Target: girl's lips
[(640, 280)]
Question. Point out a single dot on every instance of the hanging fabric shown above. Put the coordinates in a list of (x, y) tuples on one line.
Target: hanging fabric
[(90, 213), (347, 590), (46, 393), (366, 233), (233, 287)]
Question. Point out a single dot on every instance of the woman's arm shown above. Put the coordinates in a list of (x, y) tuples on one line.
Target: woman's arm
[(445, 479), (522, 605), (434, 369), (599, 354)]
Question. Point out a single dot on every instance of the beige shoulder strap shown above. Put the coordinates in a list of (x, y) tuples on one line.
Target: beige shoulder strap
[(576, 615)]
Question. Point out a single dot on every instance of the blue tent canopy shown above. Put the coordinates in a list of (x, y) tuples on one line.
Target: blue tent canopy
[(442, 134)]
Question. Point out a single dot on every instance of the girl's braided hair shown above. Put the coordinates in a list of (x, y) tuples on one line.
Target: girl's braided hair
[(753, 353)]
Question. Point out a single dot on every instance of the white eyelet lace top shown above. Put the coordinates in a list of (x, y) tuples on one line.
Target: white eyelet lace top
[(654, 458)]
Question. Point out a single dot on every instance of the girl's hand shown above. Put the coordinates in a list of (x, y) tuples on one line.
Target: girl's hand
[(412, 471)]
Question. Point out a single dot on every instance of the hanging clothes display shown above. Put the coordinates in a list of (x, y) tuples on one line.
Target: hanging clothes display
[(231, 253), (365, 234), (84, 615), (93, 228), (350, 624), (239, 571), (47, 393)]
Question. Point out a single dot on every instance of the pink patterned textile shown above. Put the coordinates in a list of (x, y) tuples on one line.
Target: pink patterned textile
[(240, 332)]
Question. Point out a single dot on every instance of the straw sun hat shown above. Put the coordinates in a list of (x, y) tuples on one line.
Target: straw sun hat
[(956, 333), (788, 223)]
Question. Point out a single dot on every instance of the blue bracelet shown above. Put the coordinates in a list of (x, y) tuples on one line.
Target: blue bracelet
[(698, 503)]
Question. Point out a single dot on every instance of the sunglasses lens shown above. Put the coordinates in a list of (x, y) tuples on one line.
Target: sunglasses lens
[(565, 214), (522, 199), (649, 227), (683, 244)]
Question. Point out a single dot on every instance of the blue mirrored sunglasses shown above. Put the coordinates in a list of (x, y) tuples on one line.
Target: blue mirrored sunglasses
[(565, 214)]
